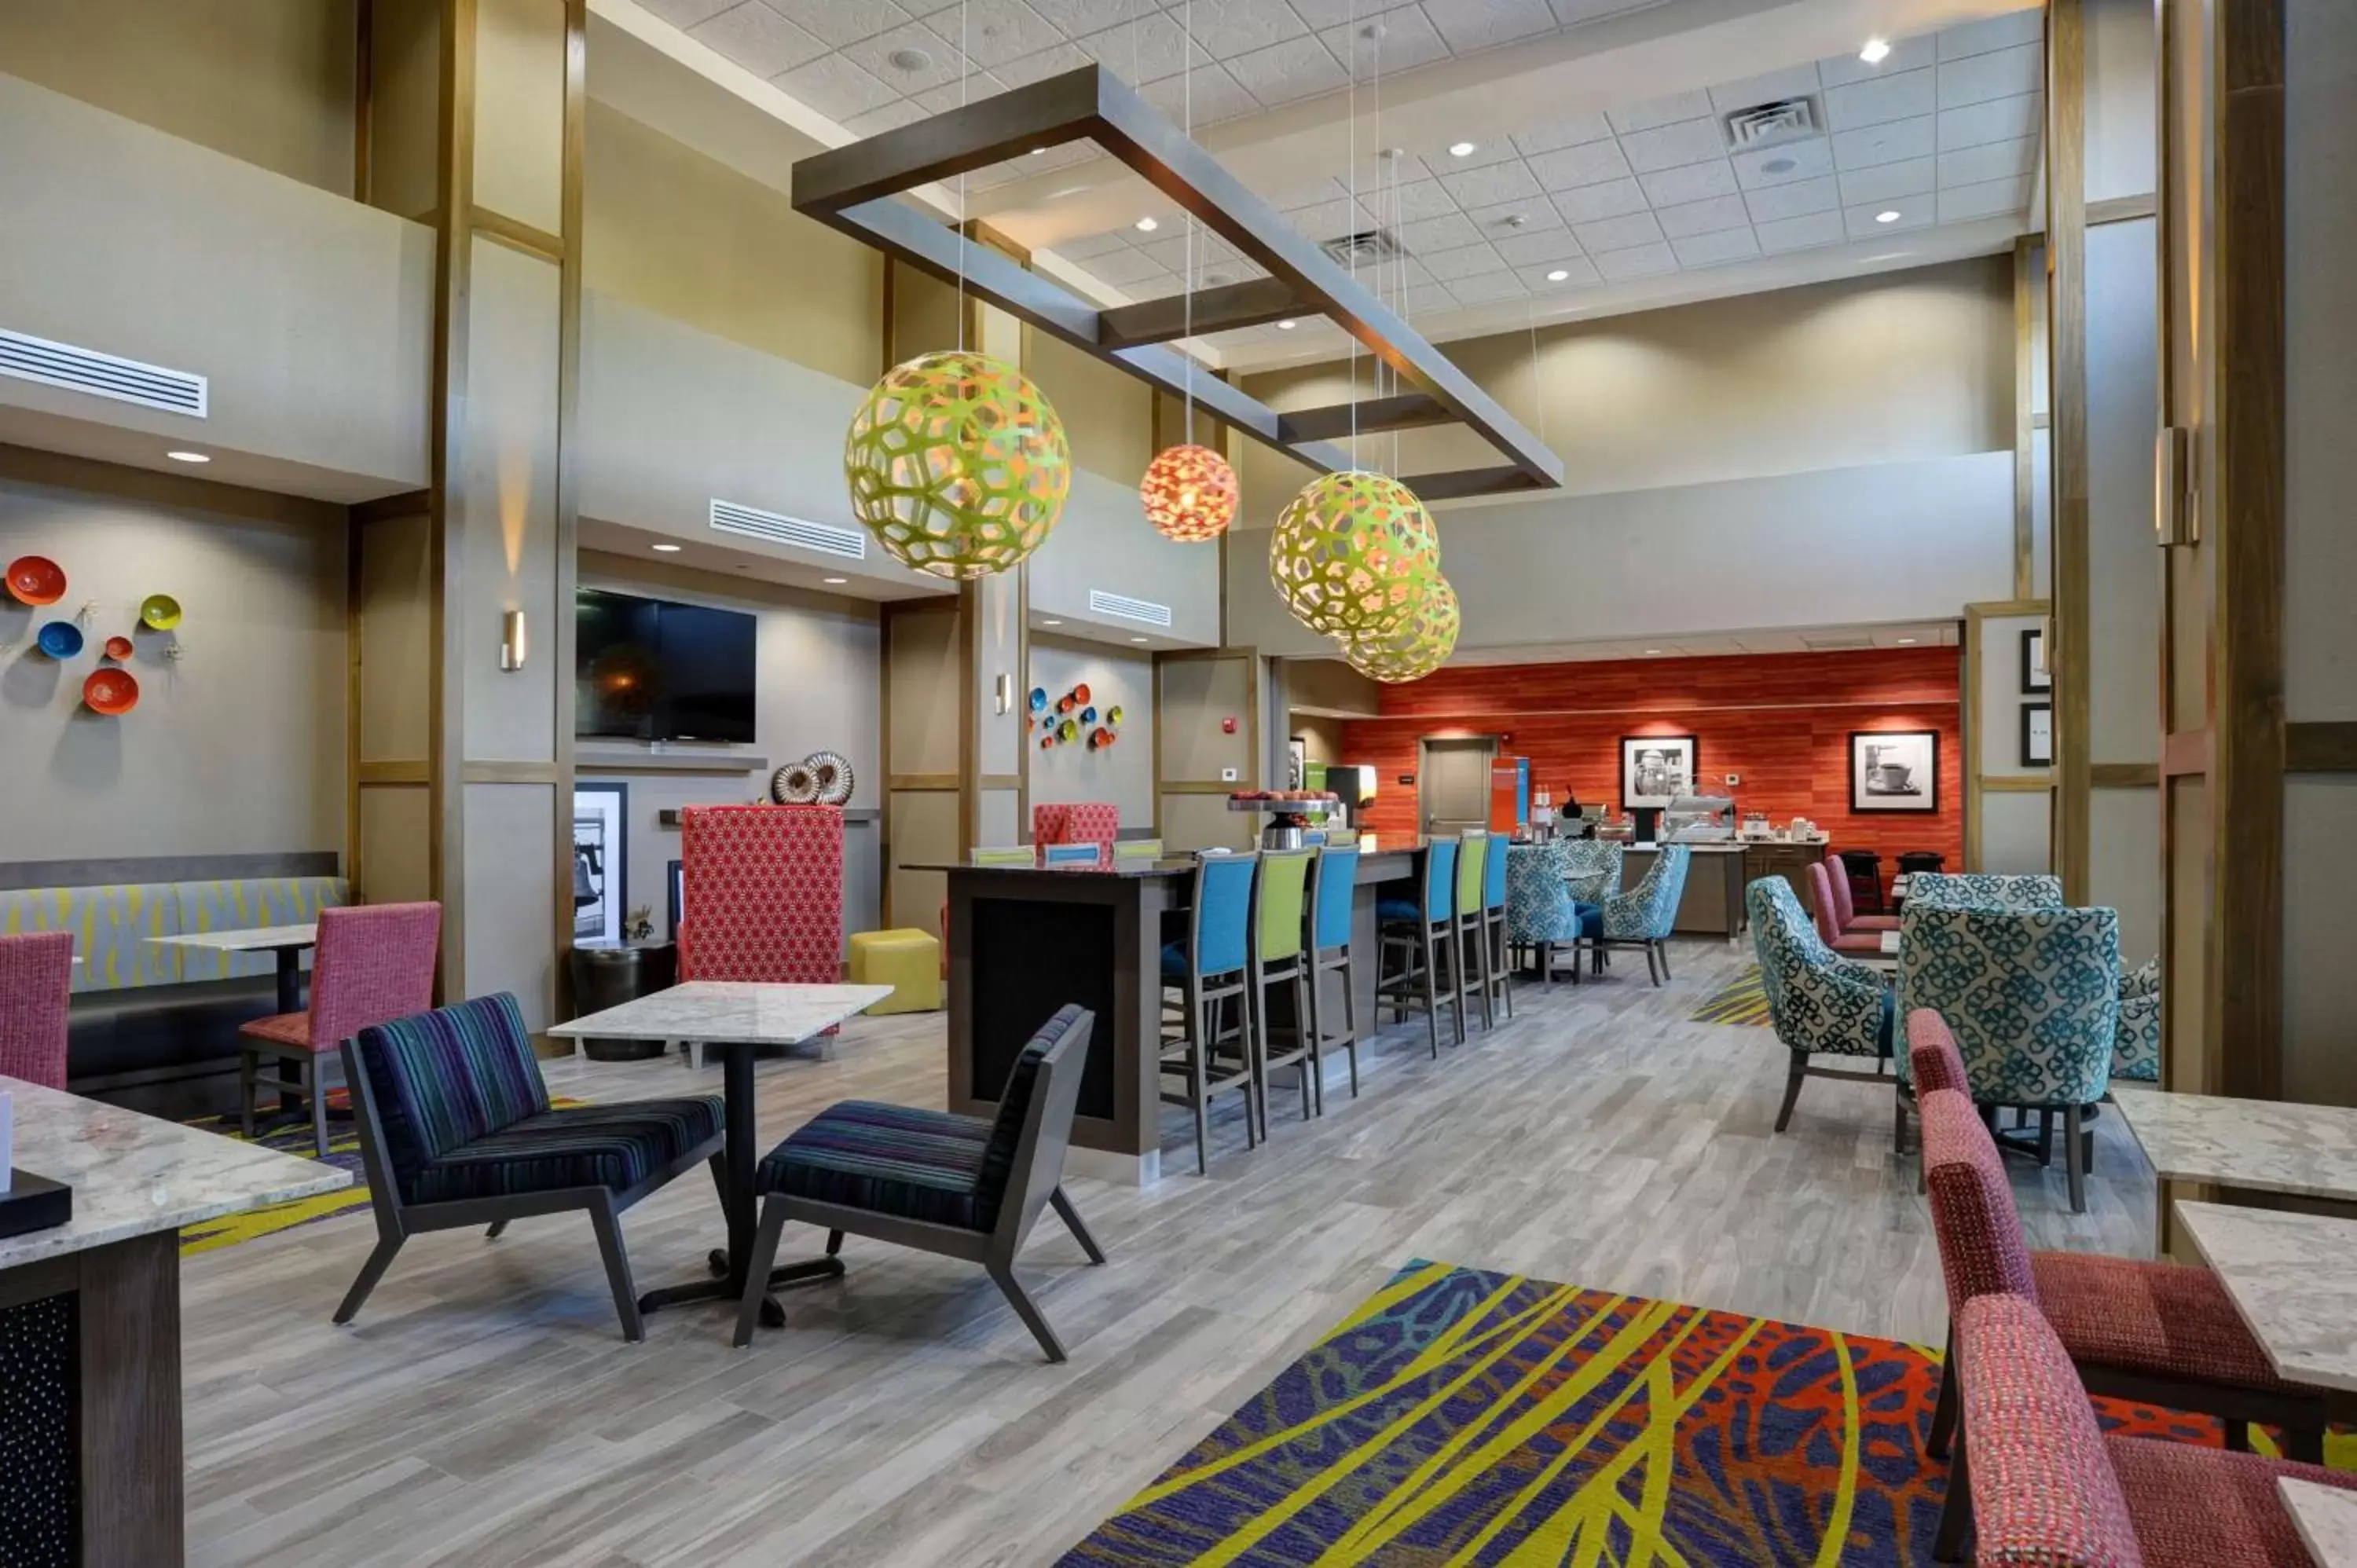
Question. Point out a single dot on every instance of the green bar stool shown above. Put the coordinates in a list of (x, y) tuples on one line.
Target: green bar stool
[(1415, 930), (1280, 894), (1466, 966), (1331, 893), (1208, 967)]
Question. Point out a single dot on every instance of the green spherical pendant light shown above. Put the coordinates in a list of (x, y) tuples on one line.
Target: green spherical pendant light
[(1354, 554), (1418, 646), (957, 464)]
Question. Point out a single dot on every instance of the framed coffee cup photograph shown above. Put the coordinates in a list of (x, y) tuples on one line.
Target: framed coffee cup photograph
[(1894, 770)]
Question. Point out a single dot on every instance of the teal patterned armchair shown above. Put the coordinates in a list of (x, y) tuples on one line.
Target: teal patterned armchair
[(1821, 1002), (1982, 890), (1643, 916), (2033, 998), (1541, 913), (2136, 1048), (1593, 866)]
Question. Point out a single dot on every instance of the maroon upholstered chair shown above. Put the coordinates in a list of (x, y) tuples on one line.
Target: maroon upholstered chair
[(1822, 907), (2042, 1484), (2156, 1333), (762, 895), (36, 986), (1845, 915), (1078, 822), (1932, 1055), (375, 964)]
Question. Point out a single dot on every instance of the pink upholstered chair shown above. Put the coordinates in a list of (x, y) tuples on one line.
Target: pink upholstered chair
[(1845, 915), (2041, 1483), (1078, 822), (375, 964), (1822, 907), (35, 985), (1933, 1053), (762, 895)]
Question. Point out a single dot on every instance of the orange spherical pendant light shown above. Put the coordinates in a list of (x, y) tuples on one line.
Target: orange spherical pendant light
[(1190, 494)]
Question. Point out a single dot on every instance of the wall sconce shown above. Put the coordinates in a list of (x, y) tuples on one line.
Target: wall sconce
[(1003, 692), (511, 641), (2174, 520)]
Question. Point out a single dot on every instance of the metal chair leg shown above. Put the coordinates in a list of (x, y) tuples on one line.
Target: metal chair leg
[(1956, 1512), (1661, 944), (618, 1269), (1793, 1080), (757, 1272), (1024, 1309), (371, 1272), (246, 1066), (1071, 1219), (1943, 1410), (1432, 990), (319, 1079), (498, 1226), (2075, 1159)]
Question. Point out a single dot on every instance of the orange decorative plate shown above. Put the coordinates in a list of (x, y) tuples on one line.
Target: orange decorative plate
[(111, 691), (119, 649), (35, 580)]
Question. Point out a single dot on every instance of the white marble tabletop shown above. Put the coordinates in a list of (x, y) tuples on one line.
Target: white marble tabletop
[(725, 1013), (2326, 1517), (247, 939), (134, 1174), (2294, 1279), (2260, 1145), (1891, 944)]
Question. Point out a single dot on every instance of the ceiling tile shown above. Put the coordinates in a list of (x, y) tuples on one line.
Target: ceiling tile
[(1885, 144), (1716, 248), (1406, 40), (1073, 18), (1172, 255), (1144, 50), (1990, 160), (1564, 133), (1485, 187), (1510, 217), (1230, 27), (1572, 13), (1617, 233), (1054, 61), (1906, 54), (1638, 261), (1866, 222), (1439, 234), (836, 88), (1991, 199), (1591, 162), (759, 40), (1800, 197), (1883, 99), (1802, 234), (834, 24), (1298, 68), (1666, 146), (1548, 246), (2025, 26), (1660, 112), (1204, 96), (1085, 246), (1591, 202), (1703, 217), (1998, 120), (1418, 199), (1690, 182), (912, 42), (1883, 182), (1422, 299), (1125, 267), (1324, 14), (1469, 261), (1576, 270), (1782, 165), (1470, 25), (1329, 218), (1487, 286), (1443, 159), (1310, 195), (957, 94), (1794, 81), (2007, 73), (686, 13), (891, 117)]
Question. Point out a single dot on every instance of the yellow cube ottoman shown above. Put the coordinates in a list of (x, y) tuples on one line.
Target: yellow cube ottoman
[(910, 961)]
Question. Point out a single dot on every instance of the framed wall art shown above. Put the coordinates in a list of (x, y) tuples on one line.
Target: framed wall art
[(1657, 768), (2038, 734), (601, 853), (1894, 770)]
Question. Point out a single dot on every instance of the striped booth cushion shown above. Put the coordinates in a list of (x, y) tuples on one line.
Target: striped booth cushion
[(614, 1146)]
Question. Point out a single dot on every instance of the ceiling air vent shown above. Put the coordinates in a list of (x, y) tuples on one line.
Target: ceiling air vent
[(1828, 644), (777, 528), (1145, 611), (101, 375), (1368, 249), (1771, 124)]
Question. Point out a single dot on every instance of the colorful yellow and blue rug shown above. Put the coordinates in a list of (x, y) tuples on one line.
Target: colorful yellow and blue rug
[(1743, 1000), (1463, 1417)]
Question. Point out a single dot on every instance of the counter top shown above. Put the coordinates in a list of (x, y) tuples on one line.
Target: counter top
[(133, 1175)]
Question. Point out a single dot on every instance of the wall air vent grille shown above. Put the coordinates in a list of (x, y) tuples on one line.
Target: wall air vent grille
[(1829, 644), (1771, 124), (1145, 611), (1365, 249), (776, 528), (101, 375)]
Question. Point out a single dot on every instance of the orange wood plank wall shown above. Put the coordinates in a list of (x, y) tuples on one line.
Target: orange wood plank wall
[(1781, 720)]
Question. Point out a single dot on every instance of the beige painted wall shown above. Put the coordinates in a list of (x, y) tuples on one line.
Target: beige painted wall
[(238, 746), (1899, 366), (1122, 773), (1108, 414), (269, 81), (667, 228)]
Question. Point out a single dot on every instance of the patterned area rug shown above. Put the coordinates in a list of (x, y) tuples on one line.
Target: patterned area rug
[(293, 1138), (1462, 1417), (1743, 1000)]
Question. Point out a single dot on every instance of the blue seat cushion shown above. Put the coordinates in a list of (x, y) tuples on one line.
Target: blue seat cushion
[(1885, 1031), (888, 1159), (614, 1146), (1591, 919), (1175, 963), (1399, 909)]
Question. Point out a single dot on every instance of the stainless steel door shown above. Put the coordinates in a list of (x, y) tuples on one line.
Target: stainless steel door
[(1453, 784)]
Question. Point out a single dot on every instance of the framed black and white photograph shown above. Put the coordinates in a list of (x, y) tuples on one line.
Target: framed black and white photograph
[(676, 878), (1297, 762), (1894, 770), (1655, 769), (2035, 676), (600, 851), (2038, 734)]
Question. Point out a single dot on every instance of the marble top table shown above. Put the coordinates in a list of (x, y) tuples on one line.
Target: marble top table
[(2326, 1517), (2260, 1145), (287, 941), (2294, 1279), (734, 1018)]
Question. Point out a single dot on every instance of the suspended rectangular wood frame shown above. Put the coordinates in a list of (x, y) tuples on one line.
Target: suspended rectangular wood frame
[(852, 188)]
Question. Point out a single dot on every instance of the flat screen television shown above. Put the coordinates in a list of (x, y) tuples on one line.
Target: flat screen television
[(658, 670)]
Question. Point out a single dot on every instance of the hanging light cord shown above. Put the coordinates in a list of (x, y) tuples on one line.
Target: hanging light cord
[(1350, 216), (1187, 284), (965, 76)]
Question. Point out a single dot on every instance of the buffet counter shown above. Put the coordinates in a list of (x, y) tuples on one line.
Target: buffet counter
[(1713, 903)]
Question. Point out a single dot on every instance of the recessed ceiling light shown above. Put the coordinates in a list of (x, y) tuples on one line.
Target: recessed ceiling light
[(1780, 166), (1463, 149), (908, 60), (1286, 325), (1147, 225), (1052, 623), (1558, 274), (1138, 639), (1652, 652), (834, 582), (1906, 642), (1889, 215), (1038, 152), (666, 549), (187, 456), (1877, 50)]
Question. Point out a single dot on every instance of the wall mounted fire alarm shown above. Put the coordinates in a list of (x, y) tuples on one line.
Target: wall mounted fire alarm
[(1228, 725)]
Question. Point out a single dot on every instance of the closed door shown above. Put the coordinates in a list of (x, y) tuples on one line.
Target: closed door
[(1453, 790)]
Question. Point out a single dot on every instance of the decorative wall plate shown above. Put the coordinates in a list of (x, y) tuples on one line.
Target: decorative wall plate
[(61, 640), (119, 649), (111, 691), (1039, 698), (35, 580), (159, 612)]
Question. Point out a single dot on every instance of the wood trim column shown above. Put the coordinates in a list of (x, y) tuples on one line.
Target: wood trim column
[(568, 482), (453, 269), (2025, 465), (2066, 349)]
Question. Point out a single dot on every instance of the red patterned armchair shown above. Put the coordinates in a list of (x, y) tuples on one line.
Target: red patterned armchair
[(762, 893), (1079, 821)]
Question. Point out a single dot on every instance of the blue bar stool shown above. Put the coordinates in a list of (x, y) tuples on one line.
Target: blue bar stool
[(1331, 893), (1497, 974), (1207, 967), (1417, 931)]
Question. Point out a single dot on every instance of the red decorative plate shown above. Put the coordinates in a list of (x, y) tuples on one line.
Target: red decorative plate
[(35, 580), (111, 691), (1080, 695), (119, 649)]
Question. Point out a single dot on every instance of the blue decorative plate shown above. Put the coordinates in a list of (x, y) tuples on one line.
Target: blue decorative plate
[(1039, 698), (61, 640)]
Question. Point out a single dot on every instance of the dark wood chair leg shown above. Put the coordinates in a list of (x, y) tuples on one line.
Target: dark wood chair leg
[(1013, 1289), (1661, 945), (1792, 1082), (1943, 1410), (757, 1270), (246, 1066), (1899, 1122), (2304, 1442), (1956, 1510), (1652, 967), (1432, 990), (493, 1233), (2237, 1435), (1071, 1219), (1349, 975), (319, 1077), (2074, 1160), (371, 1272), (834, 1243), (618, 1269)]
